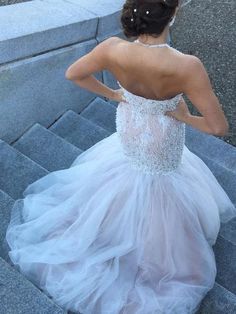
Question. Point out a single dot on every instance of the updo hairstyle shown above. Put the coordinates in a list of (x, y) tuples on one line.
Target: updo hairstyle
[(147, 16)]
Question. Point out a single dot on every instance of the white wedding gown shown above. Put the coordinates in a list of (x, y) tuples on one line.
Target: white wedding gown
[(128, 228)]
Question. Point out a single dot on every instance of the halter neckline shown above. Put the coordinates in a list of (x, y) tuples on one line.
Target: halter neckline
[(157, 45)]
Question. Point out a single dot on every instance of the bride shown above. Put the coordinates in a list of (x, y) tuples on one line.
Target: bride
[(128, 228)]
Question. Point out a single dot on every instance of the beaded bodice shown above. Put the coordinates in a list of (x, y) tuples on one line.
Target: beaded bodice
[(151, 140)]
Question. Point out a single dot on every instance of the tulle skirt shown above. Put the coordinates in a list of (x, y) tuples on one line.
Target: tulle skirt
[(103, 238)]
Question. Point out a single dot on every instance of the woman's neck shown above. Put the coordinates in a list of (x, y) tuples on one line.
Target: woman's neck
[(151, 40)]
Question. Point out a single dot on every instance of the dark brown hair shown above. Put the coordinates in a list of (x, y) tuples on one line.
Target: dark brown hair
[(137, 22)]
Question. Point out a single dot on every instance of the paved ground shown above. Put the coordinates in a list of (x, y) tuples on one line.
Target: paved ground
[(206, 28), (6, 2)]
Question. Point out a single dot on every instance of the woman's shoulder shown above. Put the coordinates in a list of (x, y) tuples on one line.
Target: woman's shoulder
[(113, 40), (182, 63), (188, 58), (192, 65), (110, 44)]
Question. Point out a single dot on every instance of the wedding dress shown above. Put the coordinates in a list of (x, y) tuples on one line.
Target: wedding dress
[(128, 228)]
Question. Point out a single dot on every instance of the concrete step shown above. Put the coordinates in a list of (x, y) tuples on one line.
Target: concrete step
[(218, 301), (46, 148), (225, 247), (226, 177), (17, 171), (225, 254), (212, 147), (78, 131), (6, 203), (19, 295), (220, 157), (102, 113), (228, 231)]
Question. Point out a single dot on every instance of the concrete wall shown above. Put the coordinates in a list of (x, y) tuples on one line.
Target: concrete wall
[(41, 38)]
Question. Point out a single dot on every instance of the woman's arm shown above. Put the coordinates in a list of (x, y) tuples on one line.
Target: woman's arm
[(81, 71), (197, 87)]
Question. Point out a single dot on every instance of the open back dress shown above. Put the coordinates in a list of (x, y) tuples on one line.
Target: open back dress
[(128, 228)]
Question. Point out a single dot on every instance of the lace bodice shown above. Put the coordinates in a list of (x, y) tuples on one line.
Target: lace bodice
[(152, 141)]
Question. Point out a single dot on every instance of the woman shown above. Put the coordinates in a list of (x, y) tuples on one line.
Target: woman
[(129, 227)]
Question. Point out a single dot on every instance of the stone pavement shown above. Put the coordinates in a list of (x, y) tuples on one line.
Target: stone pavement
[(207, 29)]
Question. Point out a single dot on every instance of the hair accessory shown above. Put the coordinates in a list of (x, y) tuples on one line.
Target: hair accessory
[(147, 12), (135, 10), (131, 19)]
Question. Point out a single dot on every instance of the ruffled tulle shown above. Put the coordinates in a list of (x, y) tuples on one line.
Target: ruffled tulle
[(103, 238)]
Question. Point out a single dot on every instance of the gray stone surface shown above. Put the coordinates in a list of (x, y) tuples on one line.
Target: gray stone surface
[(212, 147), (46, 148), (205, 28), (225, 177), (99, 8), (78, 131), (225, 253), (20, 296), (7, 2), (109, 15), (37, 26), (102, 113), (40, 26), (17, 171), (228, 231), (6, 203), (36, 90), (218, 301)]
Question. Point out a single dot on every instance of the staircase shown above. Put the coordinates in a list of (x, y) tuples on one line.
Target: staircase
[(41, 150)]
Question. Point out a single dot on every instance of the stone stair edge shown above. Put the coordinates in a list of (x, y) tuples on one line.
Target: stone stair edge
[(218, 294), (2, 142), (71, 111), (59, 155), (18, 170), (38, 57), (28, 290), (230, 173), (38, 124), (100, 99), (216, 138), (216, 145), (67, 14)]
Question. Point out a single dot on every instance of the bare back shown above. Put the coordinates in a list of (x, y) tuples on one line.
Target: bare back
[(150, 72), (156, 73)]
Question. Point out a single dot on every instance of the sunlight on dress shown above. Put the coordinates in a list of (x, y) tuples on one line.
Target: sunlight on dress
[(128, 228)]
